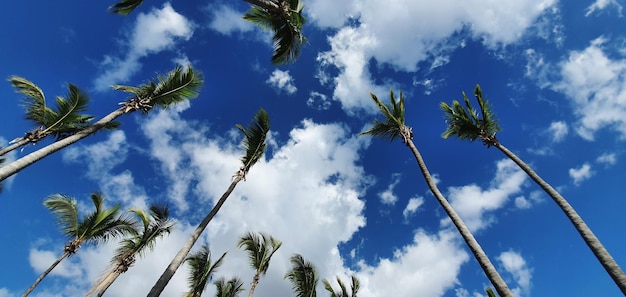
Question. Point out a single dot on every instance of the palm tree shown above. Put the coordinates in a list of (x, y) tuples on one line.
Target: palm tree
[(202, 270), (260, 251), (66, 119), (354, 288), (150, 227), (179, 85), (303, 277), (283, 17), (394, 127), (466, 123), (229, 288), (254, 142), (96, 227)]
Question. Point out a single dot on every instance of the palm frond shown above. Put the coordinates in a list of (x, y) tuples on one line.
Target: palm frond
[(34, 100), (69, 119), (65, 210), (125, 7), (393, 115), (202, 270), (303, 277), (254, 141), (260, 249), (229, 288), (465, 122), (354, 287), (154, 225)]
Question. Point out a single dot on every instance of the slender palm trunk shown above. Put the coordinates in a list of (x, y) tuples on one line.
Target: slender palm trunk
[(493, 276), (178, 260), (45, 273), (255, 282), (19, 164), (15, 145), (585, 232), (105, 282)]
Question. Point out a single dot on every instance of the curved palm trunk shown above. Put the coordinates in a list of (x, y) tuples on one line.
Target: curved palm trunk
[(103, 284), (178, 260), (585, 232), (21, 163), (15, 145), (255, 282), (493, 276), (45, 273)]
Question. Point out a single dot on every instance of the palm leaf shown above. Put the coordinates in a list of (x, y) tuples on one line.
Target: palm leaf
[(393, 115), (125, 7), (65, 210), (260, 250), (303, 277), (68, 118), (254, 141), (465, 122), (202, 270), (229, 288), (34, 100)]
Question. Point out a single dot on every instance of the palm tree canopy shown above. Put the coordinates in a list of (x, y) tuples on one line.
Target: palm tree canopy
[(124, 7), (284, 18), (467, 123), (150, 227), (202, 270), (303, 277), (354, 288), (229, 288), (393, 124), (97, 226), (254, 141), (178, 85), (64, 120), (260, 250)]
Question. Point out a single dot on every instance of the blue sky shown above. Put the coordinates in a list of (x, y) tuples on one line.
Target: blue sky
[(553, 71)]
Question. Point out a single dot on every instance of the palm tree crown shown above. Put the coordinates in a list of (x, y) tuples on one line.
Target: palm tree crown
[(229, 288), (202, 270), (354, 288), (260, 251), (393, 126), (303, 277)]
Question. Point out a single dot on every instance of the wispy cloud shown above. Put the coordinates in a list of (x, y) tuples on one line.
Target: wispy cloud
[(514, 263), (412, 206), (603, 4), (282, 81), (388, 196), (582, 173), (558, 130)]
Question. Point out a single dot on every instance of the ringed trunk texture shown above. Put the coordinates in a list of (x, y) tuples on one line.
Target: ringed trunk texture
[(45, 273), (493, 275), (178, 260), (585, 232), (23, 162)]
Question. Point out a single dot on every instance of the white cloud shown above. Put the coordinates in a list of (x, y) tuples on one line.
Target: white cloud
[(581, 174), (558, 130), (472, 203), (40, 260), (603, 4), (226, 20), (421, 30), (515, 264), (318, 101), (282, 81), (154, 32), (412, 206), (523, 203), (387, 196), (594, 83), (607, 159)]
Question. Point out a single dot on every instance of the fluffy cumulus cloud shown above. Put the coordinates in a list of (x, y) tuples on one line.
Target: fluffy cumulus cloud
[(226, 20), (473, 203), (603, 4), (388, 196), (514, 263), (282, 81), (580, 174), (594, 83), (41, 259), (558, 131), (156, 31), (412, 206), (607, 159), (424, 27)]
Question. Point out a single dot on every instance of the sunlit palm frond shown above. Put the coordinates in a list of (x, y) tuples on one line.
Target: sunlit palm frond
[(229, 288), (125, 7), (65, 210), (154, 225), (202, 270), (69, 119), (34, 100), (394, 119), (303, 277), (465, 122), (104, 224), (254, 140)]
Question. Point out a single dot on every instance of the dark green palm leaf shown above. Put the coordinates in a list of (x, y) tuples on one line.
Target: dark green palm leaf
[(303, 277), (65, 210), (229, 288), (260, 250), (202, 270), (125, 7), (465, 122), (152, 226), (354, 288), (254, 141), (68, 118), (34, 101), (393, 118)]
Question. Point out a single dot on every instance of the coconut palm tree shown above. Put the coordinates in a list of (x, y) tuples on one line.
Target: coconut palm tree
[(354, 288), (260, 251), (62, 121), (467, 123), (94, 228), (150, 227), (303, 277), (229, 288), (283, 17), (179, 85), (393, 127), (202, 270), (254, 143)]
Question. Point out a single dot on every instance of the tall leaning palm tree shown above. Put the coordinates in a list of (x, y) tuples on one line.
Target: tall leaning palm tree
[(179, 85), (64, 120), (354, 288), (393, 127), (94, 228), (467, 123), (229, 288), (202, 270), (282, 17), (254, 143), (260, 250), (150, 227), (303, 277)]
